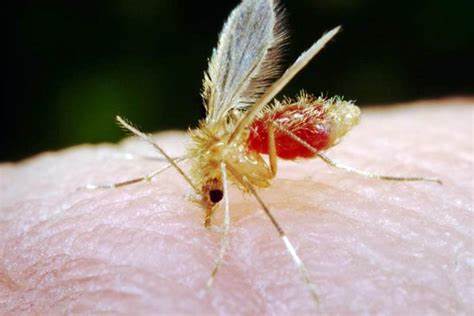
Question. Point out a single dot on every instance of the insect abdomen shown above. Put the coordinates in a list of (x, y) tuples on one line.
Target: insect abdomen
[(302, 121)]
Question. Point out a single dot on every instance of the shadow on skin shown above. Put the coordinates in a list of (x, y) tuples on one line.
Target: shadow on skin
[(370, 246)]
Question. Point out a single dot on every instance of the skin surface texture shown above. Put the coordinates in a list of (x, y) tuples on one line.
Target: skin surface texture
[(372, 247)]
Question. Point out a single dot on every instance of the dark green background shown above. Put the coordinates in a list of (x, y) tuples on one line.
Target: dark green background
[(73, 65)]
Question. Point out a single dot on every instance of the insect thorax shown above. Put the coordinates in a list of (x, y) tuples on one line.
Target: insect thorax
[(209, 149)]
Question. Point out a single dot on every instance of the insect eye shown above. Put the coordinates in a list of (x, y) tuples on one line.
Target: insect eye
[(216, 196)]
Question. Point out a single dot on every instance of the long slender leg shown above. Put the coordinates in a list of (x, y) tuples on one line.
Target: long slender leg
[(272, 151), (366, 174), (225, 234), (129, 156), (289, 246), (148, 139), (334, 164), (146, 178)]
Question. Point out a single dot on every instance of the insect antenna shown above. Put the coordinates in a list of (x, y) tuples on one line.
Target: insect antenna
[(149, 140), (225, 234), (289, 246), (337, 165)]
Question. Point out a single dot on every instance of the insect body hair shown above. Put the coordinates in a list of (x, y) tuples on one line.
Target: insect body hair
[(210, 148), (320, 121), (339, 116), (207, 150)]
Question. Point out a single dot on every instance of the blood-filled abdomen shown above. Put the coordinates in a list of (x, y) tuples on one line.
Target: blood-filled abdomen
[(305, 123), (317, 123)]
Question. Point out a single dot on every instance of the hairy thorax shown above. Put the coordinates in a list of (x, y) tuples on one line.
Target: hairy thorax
[(209, 149)]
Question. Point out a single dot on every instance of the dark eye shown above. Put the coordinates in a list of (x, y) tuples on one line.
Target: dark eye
[(216, 196)]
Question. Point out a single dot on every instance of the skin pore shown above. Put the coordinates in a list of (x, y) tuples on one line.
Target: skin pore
[(370, 246)]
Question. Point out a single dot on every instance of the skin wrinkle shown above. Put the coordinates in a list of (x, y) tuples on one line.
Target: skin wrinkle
[(407, 212), (362, 230), (69, 281), (79, 282), (372, 261), (7, 282), (99, 234), (411, 210), (69, 263), (90, 279), (378, 263), (98, 308), (369, 246), (266, 299), (405, 208), (432, 250), (52, 269), (115, 248), (267, 250)]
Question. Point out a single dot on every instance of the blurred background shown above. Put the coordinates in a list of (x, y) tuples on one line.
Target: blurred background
[(73, 65)]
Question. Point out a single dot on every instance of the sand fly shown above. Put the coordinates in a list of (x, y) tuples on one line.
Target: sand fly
[(243, 121)]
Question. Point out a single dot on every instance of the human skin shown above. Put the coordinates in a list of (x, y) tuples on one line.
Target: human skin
[(371, 246)]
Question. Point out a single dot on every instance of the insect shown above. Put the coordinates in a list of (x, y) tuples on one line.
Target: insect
[(243, 124)]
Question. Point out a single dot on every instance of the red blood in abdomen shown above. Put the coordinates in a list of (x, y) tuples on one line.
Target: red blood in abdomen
[(299, 121)]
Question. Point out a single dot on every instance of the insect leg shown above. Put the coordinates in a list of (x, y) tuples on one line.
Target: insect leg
[(148, 139), (146, 178), (289, 246), (129, 156), (272, 151), (371, 175), (334, 164), (225, 234)]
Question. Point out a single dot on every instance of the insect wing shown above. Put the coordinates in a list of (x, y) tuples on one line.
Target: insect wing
[(246, 60), (276, 87)]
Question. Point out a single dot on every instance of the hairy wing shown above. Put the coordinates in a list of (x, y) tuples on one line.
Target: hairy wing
[(246, 60), (276, 87)]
